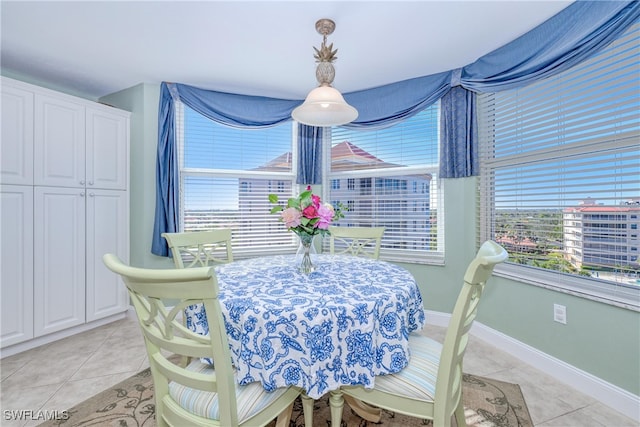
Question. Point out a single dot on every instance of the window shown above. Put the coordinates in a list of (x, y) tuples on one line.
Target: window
[(560, 186), (390, 180), (226, 175)]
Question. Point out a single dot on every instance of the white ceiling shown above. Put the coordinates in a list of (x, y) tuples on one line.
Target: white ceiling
[(94, 48)]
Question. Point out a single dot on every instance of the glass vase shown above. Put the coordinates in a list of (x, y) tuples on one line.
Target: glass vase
[(306, 250)]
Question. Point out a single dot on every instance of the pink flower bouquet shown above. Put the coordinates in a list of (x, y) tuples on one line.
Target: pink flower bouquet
[(306, 214)]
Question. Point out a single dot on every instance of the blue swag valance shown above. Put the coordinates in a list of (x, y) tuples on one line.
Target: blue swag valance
[(571, 36)]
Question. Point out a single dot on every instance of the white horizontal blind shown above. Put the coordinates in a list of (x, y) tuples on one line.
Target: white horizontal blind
[(388, 178), (560, 168), (226, 176)]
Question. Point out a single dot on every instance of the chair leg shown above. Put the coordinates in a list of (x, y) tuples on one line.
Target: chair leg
[(284, 417), (336, 401), (307, 409), (461, 420), (364, 410), (160, 421)]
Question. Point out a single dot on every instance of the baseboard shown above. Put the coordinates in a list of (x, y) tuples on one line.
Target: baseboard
[(611, 395)]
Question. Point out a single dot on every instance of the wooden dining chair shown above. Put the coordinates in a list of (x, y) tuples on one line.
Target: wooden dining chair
[(200, 248), (430, 387), (197, 394), (358, 241)]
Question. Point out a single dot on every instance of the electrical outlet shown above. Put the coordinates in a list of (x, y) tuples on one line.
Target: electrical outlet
[(560, 313)]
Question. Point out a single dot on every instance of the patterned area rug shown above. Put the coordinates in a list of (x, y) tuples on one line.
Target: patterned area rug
[(130, 403)]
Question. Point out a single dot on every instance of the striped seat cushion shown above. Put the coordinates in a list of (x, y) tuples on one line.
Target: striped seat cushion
[(251, 399), (418, 379)]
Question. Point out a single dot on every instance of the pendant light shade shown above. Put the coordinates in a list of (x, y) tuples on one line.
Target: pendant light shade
[(324, 105)]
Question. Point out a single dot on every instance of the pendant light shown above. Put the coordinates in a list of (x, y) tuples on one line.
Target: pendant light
[(324, 105)]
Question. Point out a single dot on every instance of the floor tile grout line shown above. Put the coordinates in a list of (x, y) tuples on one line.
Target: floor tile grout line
[(66, 381)]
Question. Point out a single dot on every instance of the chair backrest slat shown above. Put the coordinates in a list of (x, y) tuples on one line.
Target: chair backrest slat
[(200, 248), (357, 241)]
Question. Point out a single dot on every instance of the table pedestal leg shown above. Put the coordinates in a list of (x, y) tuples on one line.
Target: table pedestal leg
[(364, 410)]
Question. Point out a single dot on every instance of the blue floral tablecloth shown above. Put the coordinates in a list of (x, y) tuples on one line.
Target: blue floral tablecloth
[(345, 323)]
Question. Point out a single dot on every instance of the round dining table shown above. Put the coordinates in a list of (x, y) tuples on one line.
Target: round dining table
[(343, 324)]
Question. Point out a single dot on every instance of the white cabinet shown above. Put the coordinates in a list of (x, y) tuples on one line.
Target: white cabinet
[(107, 214), (16, 268), (70, 160), (16, 143), (59, 142), (59, 259), (79, 146), (73, 229), (107, 149)]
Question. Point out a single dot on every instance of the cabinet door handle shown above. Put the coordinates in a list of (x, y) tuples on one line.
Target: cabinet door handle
[(90, 182), (82, 194), (82, 182), (91, 194)]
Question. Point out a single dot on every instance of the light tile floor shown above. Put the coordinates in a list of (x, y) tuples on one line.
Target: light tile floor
[(59, 375)]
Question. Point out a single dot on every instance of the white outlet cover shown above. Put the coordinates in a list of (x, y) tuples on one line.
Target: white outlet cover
[(560, 313)]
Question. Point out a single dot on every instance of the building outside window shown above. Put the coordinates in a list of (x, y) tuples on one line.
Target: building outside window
[(599, 238), (380, 172)]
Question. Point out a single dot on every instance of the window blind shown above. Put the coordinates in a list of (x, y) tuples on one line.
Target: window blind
[(226, 176), (388, 178), (560, 175)]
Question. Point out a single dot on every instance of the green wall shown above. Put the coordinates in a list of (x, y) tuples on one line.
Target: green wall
[(142, 101), (598, 338)]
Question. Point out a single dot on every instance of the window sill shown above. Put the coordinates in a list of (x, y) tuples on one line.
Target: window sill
[(431, 259), (590, 288)]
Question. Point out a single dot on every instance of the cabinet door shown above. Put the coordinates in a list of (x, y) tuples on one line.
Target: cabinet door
[(16, 143), (59, 259), (107, 232), (16, 261), (59, 142), (107, 149)]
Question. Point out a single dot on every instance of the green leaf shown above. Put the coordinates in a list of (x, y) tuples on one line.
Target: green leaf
[(276, 209), (305, 198), (273, 198)]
